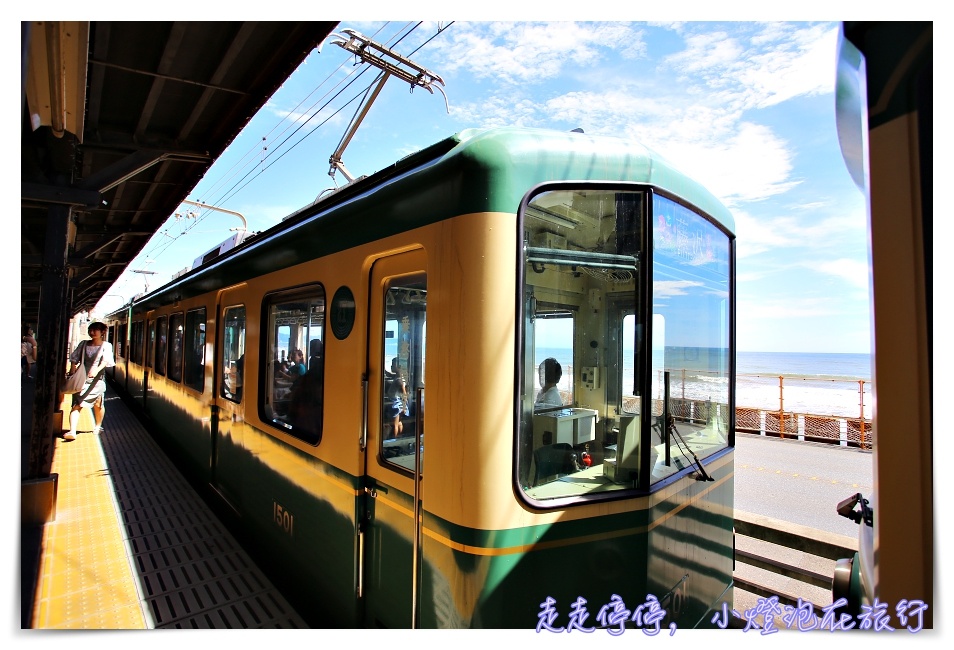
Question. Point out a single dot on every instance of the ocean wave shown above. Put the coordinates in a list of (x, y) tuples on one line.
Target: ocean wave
[(805, 376)]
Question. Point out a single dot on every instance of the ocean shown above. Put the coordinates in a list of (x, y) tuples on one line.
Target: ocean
[(812, 382), (836, 384), (805, 364)]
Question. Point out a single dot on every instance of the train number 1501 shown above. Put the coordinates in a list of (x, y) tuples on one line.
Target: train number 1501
[(284, 519)]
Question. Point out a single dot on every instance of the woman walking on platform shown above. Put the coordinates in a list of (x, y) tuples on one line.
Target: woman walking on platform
[(93, 356), (27, 352)]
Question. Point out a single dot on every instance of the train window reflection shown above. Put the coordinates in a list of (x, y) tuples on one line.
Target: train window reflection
[(293, 389), (136, 344), (690, 338), (195, 349), (162, 336), (176, 333), (150, 351), (405, 330), (233, 352)]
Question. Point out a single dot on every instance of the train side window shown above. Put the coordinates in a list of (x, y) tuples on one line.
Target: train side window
[(194, 357), (150, 345), (405, 335), (120, 344), (135, 345), (176, 335), (233, 352), (290, 400), (162, 336)]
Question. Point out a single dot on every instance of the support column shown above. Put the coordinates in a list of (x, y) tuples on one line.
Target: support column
[(52, 320)]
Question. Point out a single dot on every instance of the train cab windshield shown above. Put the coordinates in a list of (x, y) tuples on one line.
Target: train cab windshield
[(625, 365)]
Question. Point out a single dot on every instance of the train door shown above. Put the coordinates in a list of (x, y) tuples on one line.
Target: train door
[(395, 446), (229, 398)]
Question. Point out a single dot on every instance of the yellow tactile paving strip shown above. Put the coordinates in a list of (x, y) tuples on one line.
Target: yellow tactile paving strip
[(133, 546), (86, 581)]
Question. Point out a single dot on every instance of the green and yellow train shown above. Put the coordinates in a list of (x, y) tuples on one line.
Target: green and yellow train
[(535, 287)]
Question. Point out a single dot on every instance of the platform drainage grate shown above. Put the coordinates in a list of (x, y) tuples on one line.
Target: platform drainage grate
[(192, 573)]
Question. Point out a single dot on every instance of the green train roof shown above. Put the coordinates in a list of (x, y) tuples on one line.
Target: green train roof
[(476, 170)]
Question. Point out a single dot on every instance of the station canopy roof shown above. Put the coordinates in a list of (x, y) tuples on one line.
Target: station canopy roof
[(120, 120)]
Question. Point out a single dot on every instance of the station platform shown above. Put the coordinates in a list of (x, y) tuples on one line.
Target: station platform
[(132, 544)]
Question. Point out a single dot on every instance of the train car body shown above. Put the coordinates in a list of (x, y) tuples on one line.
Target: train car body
[(462, 274)]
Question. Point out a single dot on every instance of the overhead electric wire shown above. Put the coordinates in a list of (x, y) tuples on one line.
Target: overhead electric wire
[(228, 174), (440, 31), (163, 245), (236, 187)]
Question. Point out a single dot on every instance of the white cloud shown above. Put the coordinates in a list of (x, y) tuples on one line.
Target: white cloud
[(754, 236), (819, 232), (853, 271), (530, 53), (787, 308), (749, 164), (800, 65), (306, 117), (613, 112), (496, 111), (669, 288), (759, 65), (799, 324), (737, 161), (705, 121), (710, 54)]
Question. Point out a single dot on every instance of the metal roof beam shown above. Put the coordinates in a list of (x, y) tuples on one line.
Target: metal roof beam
[(133, 164), (228, 59), (102, 267), (85, 253), (43, 194), (105, 64)]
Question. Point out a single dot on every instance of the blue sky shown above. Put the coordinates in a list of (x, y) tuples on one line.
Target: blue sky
[(746, 108)]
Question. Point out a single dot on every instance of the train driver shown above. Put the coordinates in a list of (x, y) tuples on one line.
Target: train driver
[(550, 373)]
